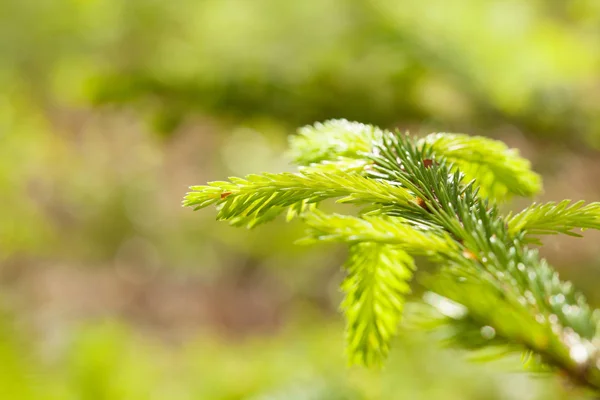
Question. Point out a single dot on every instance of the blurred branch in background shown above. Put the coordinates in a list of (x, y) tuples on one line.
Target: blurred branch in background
[(90, 224)]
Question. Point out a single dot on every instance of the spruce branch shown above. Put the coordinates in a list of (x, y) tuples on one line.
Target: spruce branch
[(332, 140), (500, 172), (258, 198), (435, 197), (375, 288), (552, 218), (416, 239)]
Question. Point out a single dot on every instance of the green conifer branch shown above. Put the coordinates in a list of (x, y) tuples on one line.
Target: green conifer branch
[(500, 172), (434, 197), (331, 140), (375, 286), (416, 239), (552, 218), (256, 198)]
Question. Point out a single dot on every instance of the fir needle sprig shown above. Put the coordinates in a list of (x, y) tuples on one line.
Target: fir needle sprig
[(434, 197)]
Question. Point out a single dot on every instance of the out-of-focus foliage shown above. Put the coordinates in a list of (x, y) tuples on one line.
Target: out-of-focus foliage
[(531, 64), (377, 61), (108, 361), (90, 223)]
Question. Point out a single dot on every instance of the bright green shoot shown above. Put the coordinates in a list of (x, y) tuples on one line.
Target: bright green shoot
[(433, 197)]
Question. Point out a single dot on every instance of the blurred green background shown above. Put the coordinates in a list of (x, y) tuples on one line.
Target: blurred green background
[(109, 109)]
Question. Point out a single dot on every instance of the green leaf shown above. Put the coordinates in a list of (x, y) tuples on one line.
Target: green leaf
[(375, 286)]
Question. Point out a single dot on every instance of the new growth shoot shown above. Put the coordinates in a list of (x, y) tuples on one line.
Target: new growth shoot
[(434, 197)]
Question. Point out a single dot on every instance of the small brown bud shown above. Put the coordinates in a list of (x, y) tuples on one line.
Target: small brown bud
[(469, 254), (421, 203)]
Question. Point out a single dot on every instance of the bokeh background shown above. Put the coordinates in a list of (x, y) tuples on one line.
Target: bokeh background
[(109, 109)]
